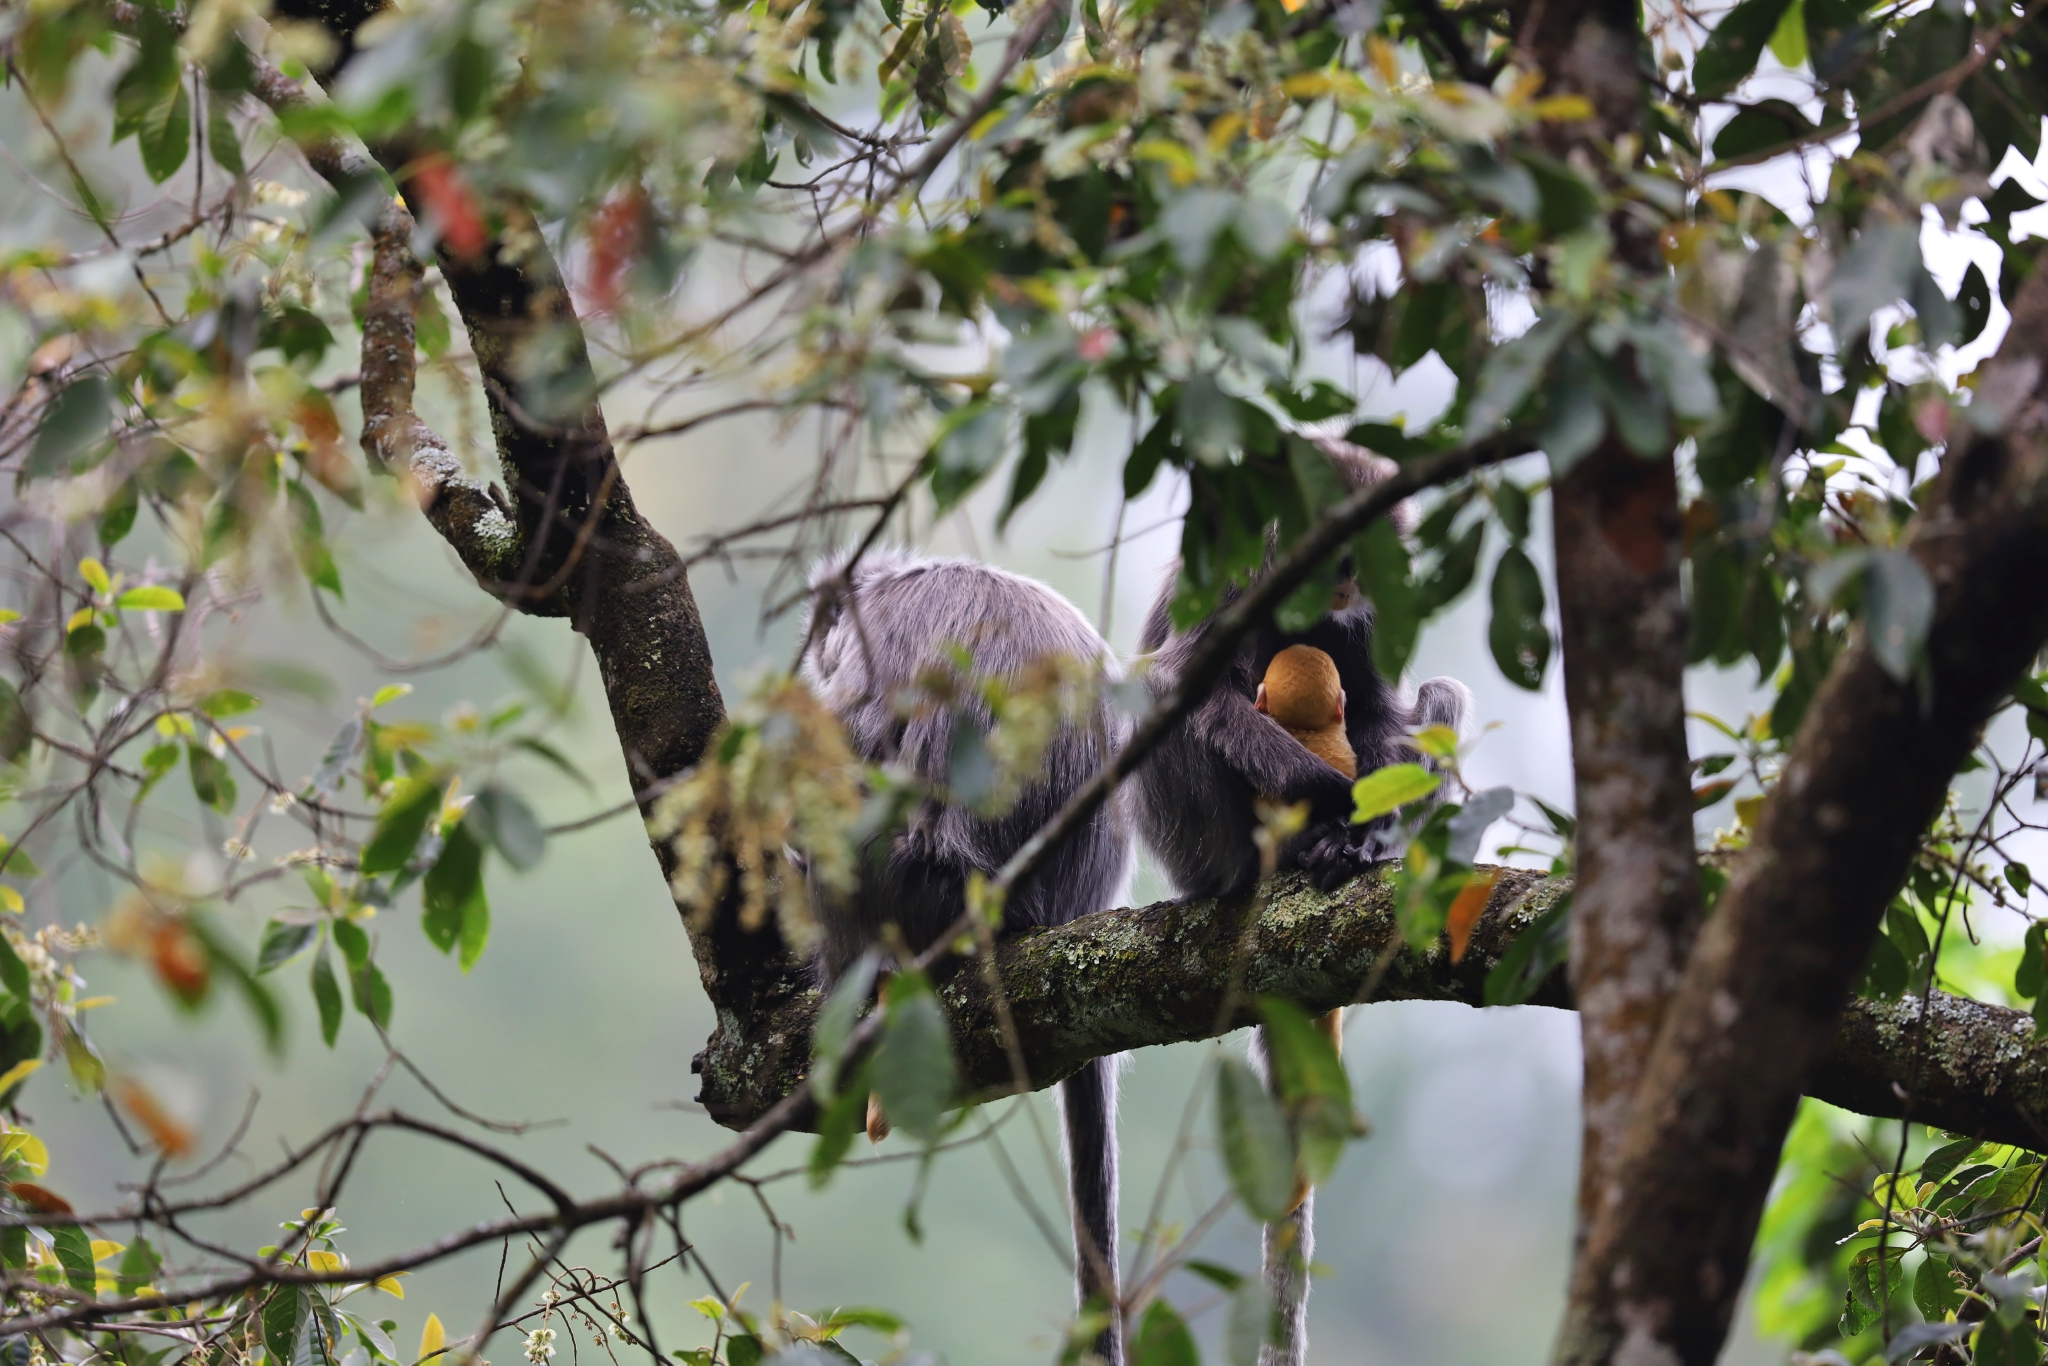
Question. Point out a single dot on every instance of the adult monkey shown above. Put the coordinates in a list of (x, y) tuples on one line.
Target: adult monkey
[(1197, 796), (882, 631)]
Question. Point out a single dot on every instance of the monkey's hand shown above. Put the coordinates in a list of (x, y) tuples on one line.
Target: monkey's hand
[(1333, 853)]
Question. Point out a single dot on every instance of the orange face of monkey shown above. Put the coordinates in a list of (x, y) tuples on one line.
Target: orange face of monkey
[(1302, 692)]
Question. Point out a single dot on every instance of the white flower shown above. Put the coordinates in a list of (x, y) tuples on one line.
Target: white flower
[(540, 1345)]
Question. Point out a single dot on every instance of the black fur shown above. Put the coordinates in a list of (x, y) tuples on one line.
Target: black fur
[(1195, 793), (869, 643), (1197, 790)]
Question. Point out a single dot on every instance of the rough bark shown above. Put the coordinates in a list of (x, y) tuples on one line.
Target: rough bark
[(1623, 617), (1762, 994), (1638, 900), (581, 548), (1155, 975)]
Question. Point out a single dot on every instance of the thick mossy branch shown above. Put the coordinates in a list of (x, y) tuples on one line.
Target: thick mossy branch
[(1161, 974)]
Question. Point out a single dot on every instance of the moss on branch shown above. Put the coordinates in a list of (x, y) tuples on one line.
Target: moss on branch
[(1160, 974)]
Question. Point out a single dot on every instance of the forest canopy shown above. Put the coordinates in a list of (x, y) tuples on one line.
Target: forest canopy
[(1737, 324)]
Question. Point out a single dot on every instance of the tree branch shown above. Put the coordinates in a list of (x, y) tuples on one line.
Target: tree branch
[(1158, 974)]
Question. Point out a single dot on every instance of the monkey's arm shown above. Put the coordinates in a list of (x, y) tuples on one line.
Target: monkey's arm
[(1269, 760)]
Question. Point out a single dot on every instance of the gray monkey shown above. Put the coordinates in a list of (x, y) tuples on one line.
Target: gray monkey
[(873, 632), (1197, 791)]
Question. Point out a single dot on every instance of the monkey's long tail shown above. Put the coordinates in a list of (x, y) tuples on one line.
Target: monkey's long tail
[(1088, 1105)]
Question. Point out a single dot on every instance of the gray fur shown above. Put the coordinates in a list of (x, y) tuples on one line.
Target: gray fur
[(869, 641)]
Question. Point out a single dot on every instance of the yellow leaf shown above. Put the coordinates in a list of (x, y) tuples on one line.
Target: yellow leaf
[(1383, 58), (95, 574), (82, 617), (13, 1075), (1224, 131), (103, 1249), (1563, 108), (1747, 809), (95, 1002), (390, 1286), (1438, 742), (1308, 85), (1391, 788), (8, 614), (10, 900), (320, 1259), (28, 1148), (433, 1337)]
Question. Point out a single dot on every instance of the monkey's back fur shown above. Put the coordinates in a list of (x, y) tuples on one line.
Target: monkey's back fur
[(900, 619), (898, 616)]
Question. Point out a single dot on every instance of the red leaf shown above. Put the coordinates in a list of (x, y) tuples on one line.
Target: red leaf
[(450, 203)]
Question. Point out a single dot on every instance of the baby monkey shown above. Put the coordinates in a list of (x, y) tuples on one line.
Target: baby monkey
[(1302, 692)]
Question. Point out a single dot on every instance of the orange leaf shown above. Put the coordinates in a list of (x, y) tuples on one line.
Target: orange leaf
[(180, 960), (1466, 910), (165, 1130), (617, 235), (38, 1199)]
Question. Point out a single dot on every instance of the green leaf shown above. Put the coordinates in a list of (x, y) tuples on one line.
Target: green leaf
[(971, 442), (1732, 49), (225, 702), (2020, 878), (1312, 1085), (17, 731), (371, 993), (137, 1268), (1512, 373), (1519, 639), (165, 137), (453, 892), (742, 1349), (350, 938), (13, 972), (1760, 126), (913, 1068), (74, 1253), (400, 823), (117, 514), (326, 996), (73, 425), (1537, 952), (1973, 303), (1253, 1138), (1163, 1339), (838, 1123), (222, 140), (283, 1312), (508, 825), (1389, 789), (836, 1021), (1788, 39), (212, 782), (283, 940), (151, 598)]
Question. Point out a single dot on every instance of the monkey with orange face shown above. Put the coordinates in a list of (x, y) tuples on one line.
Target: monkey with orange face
[(1302, 692)]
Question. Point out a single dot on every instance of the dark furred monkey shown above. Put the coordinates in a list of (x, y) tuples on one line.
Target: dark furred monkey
[(872, 638), (1197, 792)]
